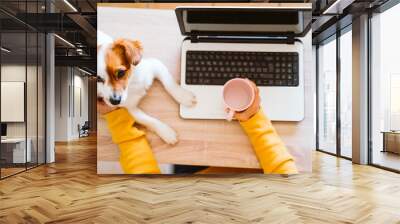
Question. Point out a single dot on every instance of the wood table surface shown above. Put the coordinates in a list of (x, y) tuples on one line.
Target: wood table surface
[(201, 142)]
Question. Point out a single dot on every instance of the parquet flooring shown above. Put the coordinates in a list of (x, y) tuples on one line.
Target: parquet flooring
[(10, 171), (70, 191)]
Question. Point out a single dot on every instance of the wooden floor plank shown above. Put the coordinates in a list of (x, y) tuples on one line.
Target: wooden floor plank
[(70, 191)]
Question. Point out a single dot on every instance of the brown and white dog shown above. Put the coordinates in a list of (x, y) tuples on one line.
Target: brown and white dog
[(124, 78)]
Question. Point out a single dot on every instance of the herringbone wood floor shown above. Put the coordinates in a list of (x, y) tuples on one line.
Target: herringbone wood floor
[(70, 191)]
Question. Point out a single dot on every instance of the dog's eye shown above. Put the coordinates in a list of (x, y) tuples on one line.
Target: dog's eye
[(120, 73)]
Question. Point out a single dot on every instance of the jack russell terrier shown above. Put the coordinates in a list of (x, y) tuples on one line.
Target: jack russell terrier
[(124, 78)]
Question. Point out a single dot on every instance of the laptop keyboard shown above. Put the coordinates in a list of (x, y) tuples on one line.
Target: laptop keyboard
[(264, 68)]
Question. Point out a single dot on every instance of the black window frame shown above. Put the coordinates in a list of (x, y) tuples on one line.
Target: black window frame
[(340, 31), (30, 29), (333, 37)]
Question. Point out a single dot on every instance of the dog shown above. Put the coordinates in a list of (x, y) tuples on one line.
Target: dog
[(123, 78)]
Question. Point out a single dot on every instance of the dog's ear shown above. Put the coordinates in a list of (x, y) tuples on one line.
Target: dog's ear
[(132, 50), (138, 51)]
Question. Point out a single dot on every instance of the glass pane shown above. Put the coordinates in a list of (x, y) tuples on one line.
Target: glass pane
[(327, 96), (31, 99), (13, 84), (346, 93), (32, 88), (41, 98), (386, 89), (22, 88)]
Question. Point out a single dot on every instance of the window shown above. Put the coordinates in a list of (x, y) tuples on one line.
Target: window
[(346, 93), (394, 101), (385, 89), (327, 96), (334, 106)]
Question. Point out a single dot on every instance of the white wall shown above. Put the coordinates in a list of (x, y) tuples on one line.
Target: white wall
[(70, 83), (80, 109), (61, 104), (17, 73), (10, 73)]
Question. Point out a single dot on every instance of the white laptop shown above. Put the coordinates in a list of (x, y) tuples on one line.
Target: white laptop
[(262, 44)]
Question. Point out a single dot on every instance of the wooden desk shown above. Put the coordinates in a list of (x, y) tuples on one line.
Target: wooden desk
[(201, 142), (19, 155), (391, 141)]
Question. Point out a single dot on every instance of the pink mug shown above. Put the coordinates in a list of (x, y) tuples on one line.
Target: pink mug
[(238, 95)]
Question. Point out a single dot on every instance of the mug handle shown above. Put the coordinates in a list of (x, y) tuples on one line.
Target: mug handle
[(230, 114)]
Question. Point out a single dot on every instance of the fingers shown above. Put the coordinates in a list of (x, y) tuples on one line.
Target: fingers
[(254, 86)]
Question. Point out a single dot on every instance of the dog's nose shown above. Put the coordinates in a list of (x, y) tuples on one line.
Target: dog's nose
[(115, 100)]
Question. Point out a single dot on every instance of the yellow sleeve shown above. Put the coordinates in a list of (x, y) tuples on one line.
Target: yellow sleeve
[(269, 148), (136, 156)]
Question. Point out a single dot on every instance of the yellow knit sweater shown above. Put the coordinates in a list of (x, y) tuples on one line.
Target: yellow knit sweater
[(136, 156)]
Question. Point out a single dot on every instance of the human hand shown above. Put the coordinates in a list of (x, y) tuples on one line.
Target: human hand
[(254, 107), (103, 108)]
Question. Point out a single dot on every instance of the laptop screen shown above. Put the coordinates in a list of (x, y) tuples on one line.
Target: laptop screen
[(242, 20), (245, 17)]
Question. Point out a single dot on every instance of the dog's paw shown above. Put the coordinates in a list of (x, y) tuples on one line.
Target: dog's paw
[(185, 97), (167, 134)]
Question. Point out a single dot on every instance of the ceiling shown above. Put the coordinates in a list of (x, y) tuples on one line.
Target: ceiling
[(75, 21), (332, 15)]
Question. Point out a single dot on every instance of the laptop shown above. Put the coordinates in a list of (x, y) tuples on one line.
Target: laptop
[(259, 43)]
